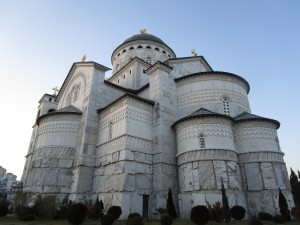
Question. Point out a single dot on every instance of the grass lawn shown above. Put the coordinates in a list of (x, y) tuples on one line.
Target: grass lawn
[(12, 220)]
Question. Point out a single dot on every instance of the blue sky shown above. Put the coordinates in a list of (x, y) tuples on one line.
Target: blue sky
[(258, 40)]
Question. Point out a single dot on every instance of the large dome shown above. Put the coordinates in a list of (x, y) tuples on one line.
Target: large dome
[(149, 37)]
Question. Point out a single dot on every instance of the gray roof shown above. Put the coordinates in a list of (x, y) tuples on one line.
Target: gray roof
[(67, 110), (202, 112), (245, 116), (149, 37), (70, 109)]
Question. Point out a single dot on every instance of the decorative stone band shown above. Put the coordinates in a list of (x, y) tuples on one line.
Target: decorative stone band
[(207, 154), (124, 142), (262, 156), (57, 152)]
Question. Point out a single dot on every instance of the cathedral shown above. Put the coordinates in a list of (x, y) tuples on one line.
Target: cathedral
[(159, 122)]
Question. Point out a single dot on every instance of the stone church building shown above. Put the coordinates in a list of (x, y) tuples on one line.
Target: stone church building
[(158, 122)]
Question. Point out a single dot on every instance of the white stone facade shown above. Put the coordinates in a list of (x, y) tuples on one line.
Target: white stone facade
[(158, 122)]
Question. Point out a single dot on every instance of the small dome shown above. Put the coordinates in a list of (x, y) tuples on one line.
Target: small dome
[(149, 37)]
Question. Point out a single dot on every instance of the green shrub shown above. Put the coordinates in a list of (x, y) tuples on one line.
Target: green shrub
[(215, 211), (255, 221), (45, 206), (107, 219), (95, 210), (77, 214), (166, 220), (170, 205), (284, 209), (296, 213), (116, 211), (265, 216), (134, 219), (278, 219), (237, 212), (199, 214)]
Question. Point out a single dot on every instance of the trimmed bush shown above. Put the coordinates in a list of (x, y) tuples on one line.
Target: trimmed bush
[(166, 220), (107, 219), (296, 213), (215, 211), (134, 219), (77, 214), (3, 208), (278, 219), (255, 221), (265, 216), (237, 212), (24, 213), (116, 211), (199, 214)]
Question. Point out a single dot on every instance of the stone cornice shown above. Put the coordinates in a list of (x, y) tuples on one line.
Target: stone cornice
[(55, 114), (159, 65)]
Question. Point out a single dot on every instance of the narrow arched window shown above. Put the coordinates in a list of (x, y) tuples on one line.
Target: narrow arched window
[(202, 140), (164, 52), (124, 76), (226, 106), (117, 67)]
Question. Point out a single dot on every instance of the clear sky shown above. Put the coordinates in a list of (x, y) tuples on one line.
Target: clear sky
[(39, 41)]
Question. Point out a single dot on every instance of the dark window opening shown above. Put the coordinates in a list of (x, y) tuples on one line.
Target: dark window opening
[(149, 47), (118, 54), (140, 46), (164, 51), (51, 110), (124, 50), (131, 48), (157, 49), (144, 71), (129, 71), (124, 76), (145, 206)]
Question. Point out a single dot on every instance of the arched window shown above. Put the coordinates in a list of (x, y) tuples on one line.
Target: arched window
[(124, 76), (164, 52), (226, 106), (148, 59), (76, 91), (51, 110), (157, 49), (140, 46), (129, 71), (149, 47), (131, 48), (118, 54), (202, 140), (124, 50)]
